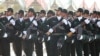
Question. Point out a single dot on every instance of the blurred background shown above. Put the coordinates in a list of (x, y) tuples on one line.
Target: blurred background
[(49, 4)]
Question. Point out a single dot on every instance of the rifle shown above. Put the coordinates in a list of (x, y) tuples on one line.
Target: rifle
[(28, 35), (8, 26), (71, 33)]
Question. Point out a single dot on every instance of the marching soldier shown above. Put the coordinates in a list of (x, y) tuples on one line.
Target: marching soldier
[(97, 35), (17, 43), (1, 34), (39, 39), (87, 33), (30, 32), (54, 38), (75, 23), (56, 31), (92, 43), (50, 14), (8, 36), (72, 42), (66, 48)]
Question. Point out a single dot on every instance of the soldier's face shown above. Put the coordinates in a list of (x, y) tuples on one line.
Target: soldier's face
[(58, 12), (30, 14), (62, 14), (94, 15), (42, 14), (9, 13), (78, 14), (49, 15), (20, 15)]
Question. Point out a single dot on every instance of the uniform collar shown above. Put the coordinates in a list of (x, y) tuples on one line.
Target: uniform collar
[(94, 19), (58, 17), (79, 18), (43, 19), (8, 17), (21, 19), (31, 18)]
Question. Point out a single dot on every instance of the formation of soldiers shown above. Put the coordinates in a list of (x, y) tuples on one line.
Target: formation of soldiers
[(64, 32)]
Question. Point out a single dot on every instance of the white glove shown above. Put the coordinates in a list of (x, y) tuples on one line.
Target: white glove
[(49, 38), (0, 29), (65, 21), (30, 36), (25, 32), (12, 22), (87, 21), (50, 30), (5, 35), (72, 30), (73, 41), (20, 35), (81, 37), (35, 23), (98, 24), (65, 37)]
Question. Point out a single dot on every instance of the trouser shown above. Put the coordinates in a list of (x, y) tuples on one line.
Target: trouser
[(86, 49), (28, 46), (39, 47), (17, 45), (92, 48), (53, 45), (79, 47), (97, 47), (0, 48), (68, 48), (65, 50), (5, 45), (73, 49), (47, 44)]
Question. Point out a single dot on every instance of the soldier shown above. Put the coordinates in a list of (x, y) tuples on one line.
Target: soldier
[(92, 43), (66, 48), (75, 23), (1, 34), (55, 31), (39, 40), (30, 32), (17, 43), (50, 14), (87, 32), (8, 36), (97, 34)]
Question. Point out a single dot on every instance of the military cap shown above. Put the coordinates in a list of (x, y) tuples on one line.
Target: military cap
[(59, 9), (31, 10), (64, 10), (86, 11), (43, 11), (21, 11), (80, 10), (10, 10)]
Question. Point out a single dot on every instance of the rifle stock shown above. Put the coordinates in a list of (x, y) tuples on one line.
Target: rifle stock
[(70, 34)]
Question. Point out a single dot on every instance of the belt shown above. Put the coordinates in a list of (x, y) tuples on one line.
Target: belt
[(58, 34)]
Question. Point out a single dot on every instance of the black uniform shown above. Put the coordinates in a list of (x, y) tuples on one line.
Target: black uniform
[(97, 41), (28, 42), (17, 43), (56, 36), (6, 40), (1, 34), (78, 42)]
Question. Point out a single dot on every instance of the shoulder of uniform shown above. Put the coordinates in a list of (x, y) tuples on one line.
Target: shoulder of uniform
[(52, 17)]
